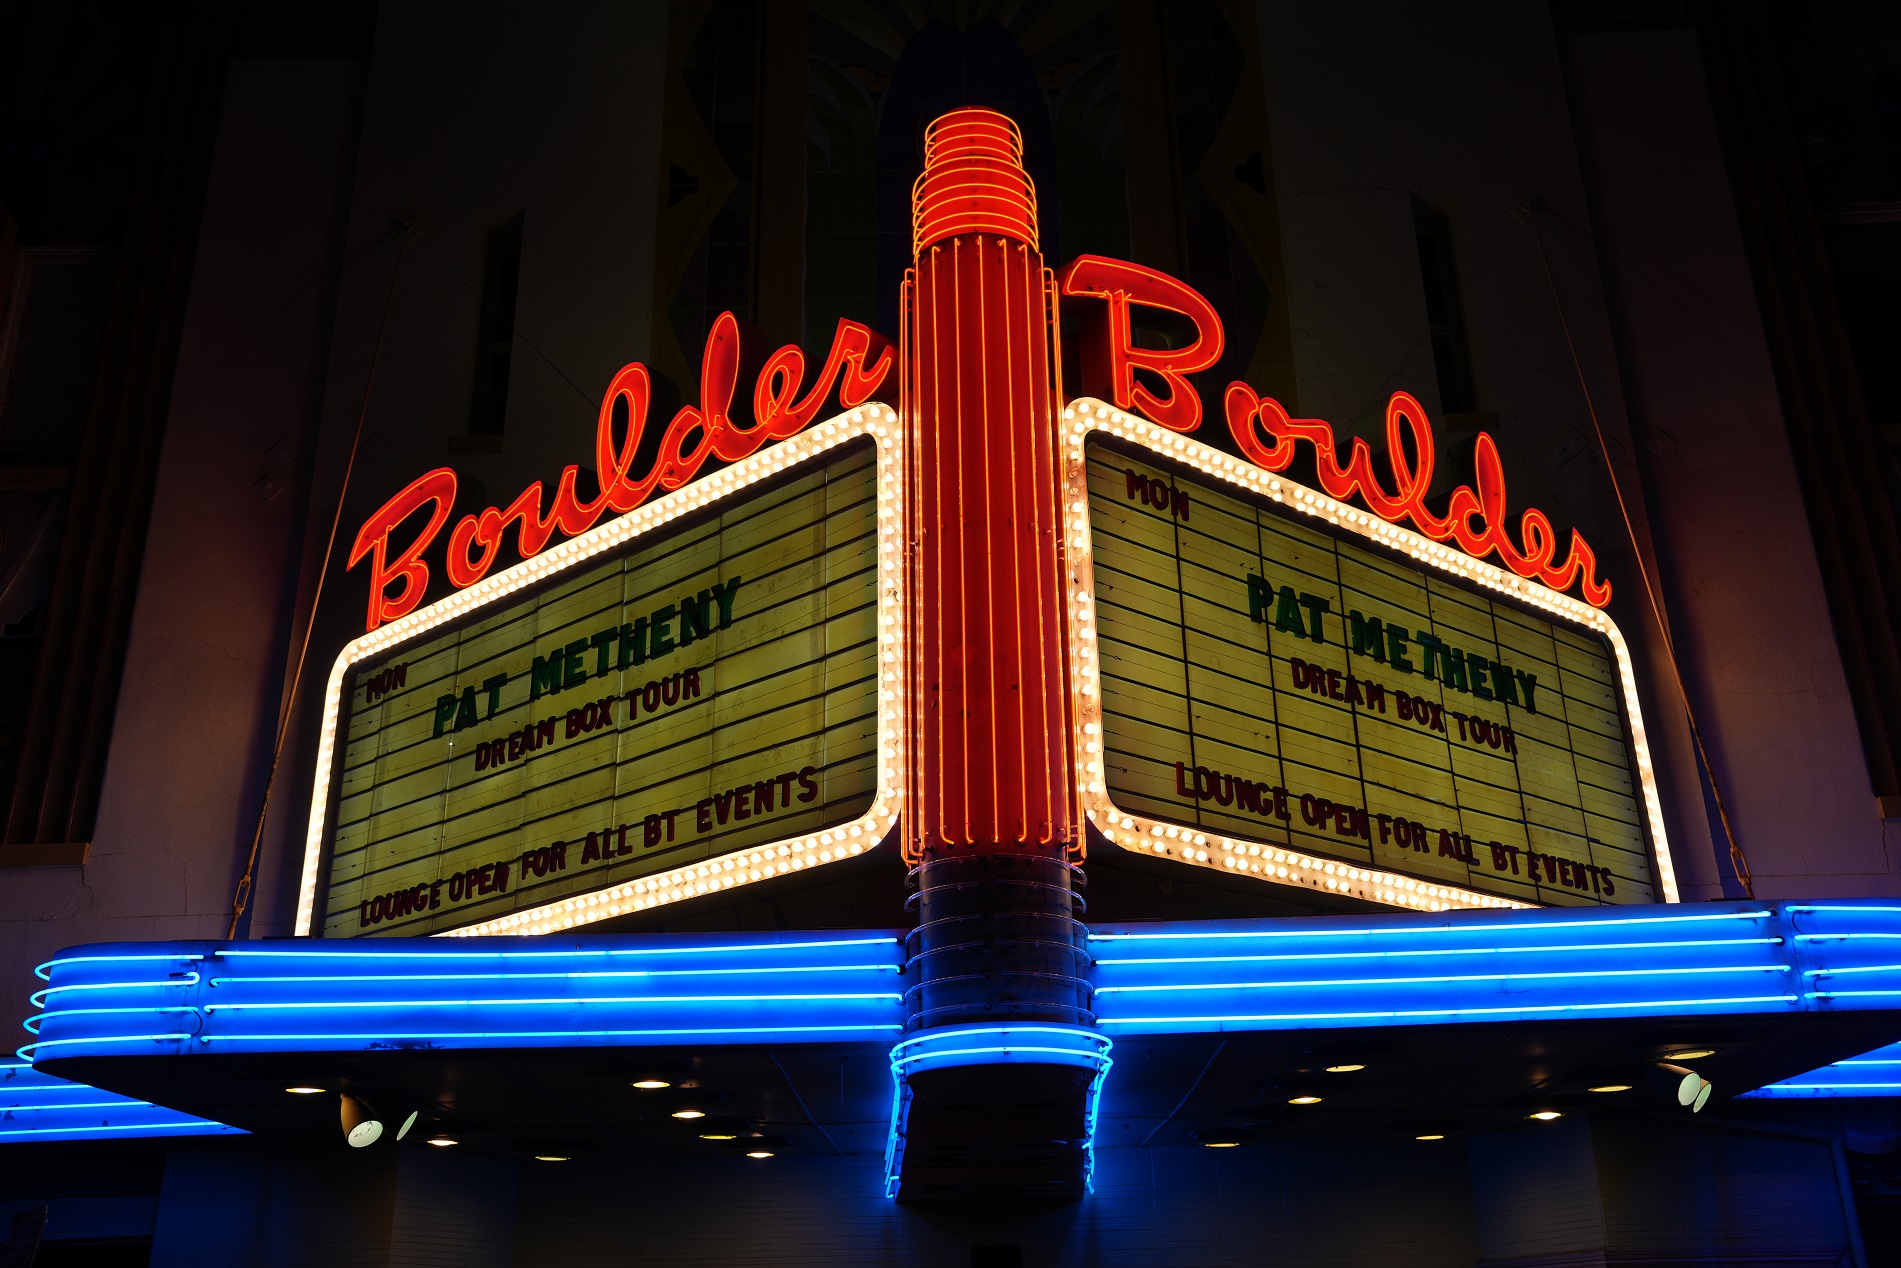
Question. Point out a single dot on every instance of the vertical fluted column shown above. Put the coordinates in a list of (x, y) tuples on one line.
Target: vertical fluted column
[(991, 703), (993, 814)]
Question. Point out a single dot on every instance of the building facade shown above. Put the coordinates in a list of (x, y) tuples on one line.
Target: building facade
[(342, 339)]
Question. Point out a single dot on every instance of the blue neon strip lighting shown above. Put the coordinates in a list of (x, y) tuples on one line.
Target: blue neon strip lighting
[(134, 1000), (1492, 966), (35, 1106), (379, 994), (1213, 931), (571, 976), (1388, 953), (956, 1046), (1870, 1074)]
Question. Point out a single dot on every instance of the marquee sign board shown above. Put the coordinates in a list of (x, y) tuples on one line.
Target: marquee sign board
[(1265, 679), (1278, 684), (655, 709)]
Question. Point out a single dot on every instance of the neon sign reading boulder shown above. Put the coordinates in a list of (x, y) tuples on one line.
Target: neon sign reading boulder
[(857, 367), (1107, 292)]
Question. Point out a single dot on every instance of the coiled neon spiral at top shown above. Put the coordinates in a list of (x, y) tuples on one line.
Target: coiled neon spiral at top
[(973, 181)]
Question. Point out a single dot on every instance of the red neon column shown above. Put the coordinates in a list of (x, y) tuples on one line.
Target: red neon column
[(991, 767)]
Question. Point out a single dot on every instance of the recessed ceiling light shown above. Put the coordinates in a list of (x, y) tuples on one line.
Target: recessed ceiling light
[(441, 1142), (759, 1153), (1431, 1136), (1344, 1069), (551, 1157), (718, 1136), (1303, 1100), (1220, 1144), (304, 1091), (1612, 1087), (1545, 1116), (689, 1113), (1689, 1054), (651, 1085)]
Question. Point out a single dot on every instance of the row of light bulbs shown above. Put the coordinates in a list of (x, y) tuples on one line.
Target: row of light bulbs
[(1253, 858), (1692, 1092)]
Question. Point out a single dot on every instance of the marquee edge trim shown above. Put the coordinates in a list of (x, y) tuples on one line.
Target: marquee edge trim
[(874, 419), (1084, 415)]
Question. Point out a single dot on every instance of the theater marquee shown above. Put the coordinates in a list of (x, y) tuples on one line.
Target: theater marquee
[(706, 672), (684, 699), (1276, 684)]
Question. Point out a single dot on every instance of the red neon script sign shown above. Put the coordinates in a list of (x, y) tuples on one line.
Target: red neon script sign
[(1110, 356), (1266, 435), (1476, 520), (858, 365)]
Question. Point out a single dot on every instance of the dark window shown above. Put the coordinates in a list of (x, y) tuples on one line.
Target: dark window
[(501, 280), (50, 333), (1439, 276), (721, 73)]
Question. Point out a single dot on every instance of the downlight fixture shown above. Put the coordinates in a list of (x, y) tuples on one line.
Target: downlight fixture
[(1347, 1068), (303, 1090), (1545, 1116), (1689, 1054), (689, 1113), (1303, 1100), (443, 1142), (1220, 1144), (759, 1153), (1610, 1087), (361, 1126), (651, 1085)]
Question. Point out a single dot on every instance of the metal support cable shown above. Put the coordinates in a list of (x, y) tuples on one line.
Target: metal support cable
[(1192, 1089), (1737, 861), (241, 897), (803, 1107)]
